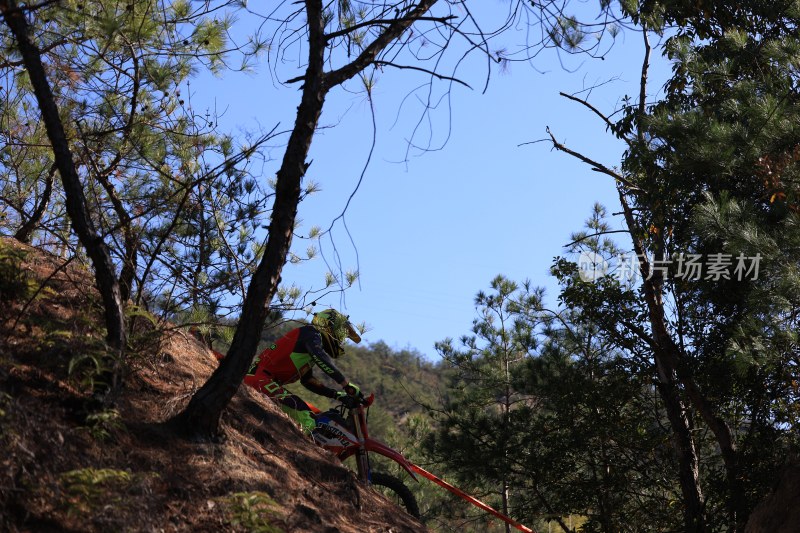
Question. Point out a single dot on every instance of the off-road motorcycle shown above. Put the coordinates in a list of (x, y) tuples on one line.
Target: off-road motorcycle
[(344, 432)]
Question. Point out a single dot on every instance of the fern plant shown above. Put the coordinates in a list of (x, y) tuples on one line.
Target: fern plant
[(86, 489), (251, 511)]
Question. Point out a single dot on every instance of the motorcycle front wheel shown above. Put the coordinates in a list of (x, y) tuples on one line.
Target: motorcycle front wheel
[(396, 491)]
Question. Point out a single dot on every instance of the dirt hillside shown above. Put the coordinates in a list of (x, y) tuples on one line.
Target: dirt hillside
[(67, 466)]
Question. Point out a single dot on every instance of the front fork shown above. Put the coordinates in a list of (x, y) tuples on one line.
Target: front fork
[(363, 466), (362, 459)]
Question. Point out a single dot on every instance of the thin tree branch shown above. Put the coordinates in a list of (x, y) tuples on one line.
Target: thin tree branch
[(597, 167), (643, 84), (576, 241), (385, 22), (425, 70), (39, 289), (611, 126), (370, 53), (44, 50), (24, 233)]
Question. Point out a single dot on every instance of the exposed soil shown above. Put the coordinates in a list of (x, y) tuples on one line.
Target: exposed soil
[(67, 467)]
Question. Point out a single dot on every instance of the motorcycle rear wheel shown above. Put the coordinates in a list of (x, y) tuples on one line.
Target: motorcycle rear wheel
[(396, 491)]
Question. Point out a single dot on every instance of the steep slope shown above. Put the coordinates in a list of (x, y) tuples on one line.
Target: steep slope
[(67, 467)]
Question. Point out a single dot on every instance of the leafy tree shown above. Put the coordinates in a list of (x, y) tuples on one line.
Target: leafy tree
[(201, 416), (578, 436), (474, 439), (172, 200), (594, 439), (709, 174), (144, 166), (340, 42), (75, 196)]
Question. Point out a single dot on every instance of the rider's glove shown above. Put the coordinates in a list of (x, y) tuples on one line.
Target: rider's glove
[(353, 390), (340, 395)]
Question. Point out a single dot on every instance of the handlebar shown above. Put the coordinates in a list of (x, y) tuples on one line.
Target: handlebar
[(351, 402)]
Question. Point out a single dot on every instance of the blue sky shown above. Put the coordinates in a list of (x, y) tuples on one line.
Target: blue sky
[(428, 233)]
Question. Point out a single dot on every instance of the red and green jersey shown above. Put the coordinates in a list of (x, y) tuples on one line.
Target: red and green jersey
[(293, 357)]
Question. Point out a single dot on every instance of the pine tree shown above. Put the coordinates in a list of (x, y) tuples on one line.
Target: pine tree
[(709, 174), (140, 153), (474, 439)]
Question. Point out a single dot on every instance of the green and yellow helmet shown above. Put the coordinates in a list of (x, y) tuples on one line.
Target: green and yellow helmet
[(334, 328)]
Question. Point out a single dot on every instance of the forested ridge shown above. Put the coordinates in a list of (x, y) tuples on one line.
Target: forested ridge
[(656, 389)]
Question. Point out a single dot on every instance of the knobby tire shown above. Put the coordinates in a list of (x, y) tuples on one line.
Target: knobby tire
[(399, 489)]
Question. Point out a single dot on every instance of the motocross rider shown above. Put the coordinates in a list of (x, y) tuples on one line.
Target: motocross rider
[(294, 356)]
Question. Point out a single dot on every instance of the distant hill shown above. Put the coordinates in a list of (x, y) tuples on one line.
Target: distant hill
[(67, 466)]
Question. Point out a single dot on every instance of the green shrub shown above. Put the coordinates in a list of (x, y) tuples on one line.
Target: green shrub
[(87, 489), (102, 423), (90, 368), (15, 282), (251, 511)]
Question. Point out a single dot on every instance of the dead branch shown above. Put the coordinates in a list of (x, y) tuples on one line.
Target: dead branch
[(597, 167)]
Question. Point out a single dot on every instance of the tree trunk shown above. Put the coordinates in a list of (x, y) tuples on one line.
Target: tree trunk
[(671, 356), (79, 215), (25, 233), (693, 515), (688, 464), (131, 240), (200, 419), (727, 444), (694, 519), (506, 424), (128, 273)]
